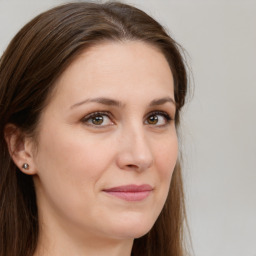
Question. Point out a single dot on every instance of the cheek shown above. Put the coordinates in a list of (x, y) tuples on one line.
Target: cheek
[(165, 160), (69, 166), (166, 157), (70, 163), (70, 152)]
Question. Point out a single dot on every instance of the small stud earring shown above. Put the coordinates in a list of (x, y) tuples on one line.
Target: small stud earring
[(25, 166)]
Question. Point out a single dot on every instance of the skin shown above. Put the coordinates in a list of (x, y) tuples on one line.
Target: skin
[(77, 158)]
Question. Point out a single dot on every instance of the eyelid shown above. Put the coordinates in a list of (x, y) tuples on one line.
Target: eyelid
[(109, 115), (167, 116), (96, 113)]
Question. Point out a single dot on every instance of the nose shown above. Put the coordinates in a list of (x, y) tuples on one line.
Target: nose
[(134, 151)]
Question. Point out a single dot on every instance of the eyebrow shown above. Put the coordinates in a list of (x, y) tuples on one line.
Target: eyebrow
[(162, 101), (116, 103), (104, 101)]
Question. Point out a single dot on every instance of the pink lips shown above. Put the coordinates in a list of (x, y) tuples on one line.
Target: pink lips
[(130, 192)]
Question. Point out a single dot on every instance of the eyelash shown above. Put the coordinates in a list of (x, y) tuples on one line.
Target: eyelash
[(95, 114), (166, 116), (85, 120)]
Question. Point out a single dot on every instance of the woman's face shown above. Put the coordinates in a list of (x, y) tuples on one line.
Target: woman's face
[(107, 143)]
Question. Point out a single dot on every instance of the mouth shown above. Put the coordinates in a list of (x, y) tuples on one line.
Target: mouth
[(130, 192)]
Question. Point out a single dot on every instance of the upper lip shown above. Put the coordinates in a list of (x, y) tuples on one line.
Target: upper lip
[(130, 188)]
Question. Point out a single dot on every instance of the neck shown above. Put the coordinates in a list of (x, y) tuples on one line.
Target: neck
[(56, 240), (64, 245)]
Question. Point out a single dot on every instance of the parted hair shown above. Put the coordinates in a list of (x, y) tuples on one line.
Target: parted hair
[(29, 67)]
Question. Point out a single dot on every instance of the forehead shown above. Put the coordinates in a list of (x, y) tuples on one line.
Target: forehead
[(116, 69)]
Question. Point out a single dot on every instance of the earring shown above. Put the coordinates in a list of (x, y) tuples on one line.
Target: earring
[(25, 166)]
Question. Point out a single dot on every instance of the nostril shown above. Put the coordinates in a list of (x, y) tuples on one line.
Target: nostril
[(138, 167), (131, 165)]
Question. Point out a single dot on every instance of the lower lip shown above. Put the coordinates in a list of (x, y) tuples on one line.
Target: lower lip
[(130, 196)]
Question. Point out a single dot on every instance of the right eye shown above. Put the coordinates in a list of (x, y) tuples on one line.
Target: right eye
[(99, 119)]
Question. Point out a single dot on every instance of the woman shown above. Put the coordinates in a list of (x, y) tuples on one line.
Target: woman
[(90, 98)]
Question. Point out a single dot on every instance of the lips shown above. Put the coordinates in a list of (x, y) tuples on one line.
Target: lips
[(130, 192)]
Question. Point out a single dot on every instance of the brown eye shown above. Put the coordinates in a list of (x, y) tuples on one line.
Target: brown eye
[(158, 119), (97, 120), (153, 119)]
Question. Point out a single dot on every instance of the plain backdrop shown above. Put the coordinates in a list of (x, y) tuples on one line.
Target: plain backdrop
[(219, 122)]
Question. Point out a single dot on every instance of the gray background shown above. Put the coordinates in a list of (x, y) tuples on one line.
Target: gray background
[(219, 122)]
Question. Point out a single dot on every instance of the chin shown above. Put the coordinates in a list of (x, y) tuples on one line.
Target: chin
[(132, 227)]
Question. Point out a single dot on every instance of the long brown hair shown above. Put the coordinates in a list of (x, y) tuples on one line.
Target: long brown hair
[(34, 59)]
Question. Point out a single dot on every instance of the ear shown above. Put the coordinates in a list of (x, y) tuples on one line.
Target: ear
[(20, 148)]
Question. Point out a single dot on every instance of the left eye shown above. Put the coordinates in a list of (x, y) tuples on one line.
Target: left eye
[(159, 119), (98, 119)]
